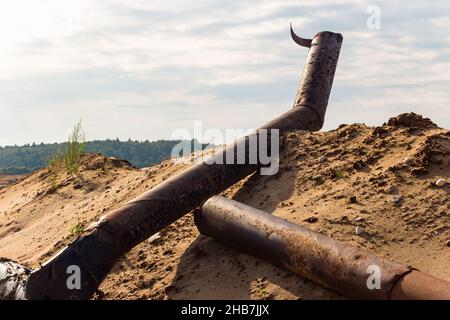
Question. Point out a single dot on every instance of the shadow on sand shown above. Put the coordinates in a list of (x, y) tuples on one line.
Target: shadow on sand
[(209, 270)]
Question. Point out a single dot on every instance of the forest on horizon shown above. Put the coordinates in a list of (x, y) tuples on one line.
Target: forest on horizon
[(30, 157)]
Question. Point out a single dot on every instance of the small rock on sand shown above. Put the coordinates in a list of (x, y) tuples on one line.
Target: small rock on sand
[(359, 230), (396, 199), (322, 159), (440, 182), (154, 237), (407, 161), (389, 189), (311, 220)]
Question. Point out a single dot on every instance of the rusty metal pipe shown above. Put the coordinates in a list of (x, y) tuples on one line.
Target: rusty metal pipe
[(417, 285), (333, 264), (120, 230), (13, 278)]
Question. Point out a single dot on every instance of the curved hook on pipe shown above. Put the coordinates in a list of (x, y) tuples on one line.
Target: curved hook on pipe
[(300, 41)]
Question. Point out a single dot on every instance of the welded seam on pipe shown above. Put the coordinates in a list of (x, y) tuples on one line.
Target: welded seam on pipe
[(399, 279)]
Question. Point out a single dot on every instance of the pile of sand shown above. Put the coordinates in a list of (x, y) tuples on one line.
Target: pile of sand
[(411, 120), (381, 179)]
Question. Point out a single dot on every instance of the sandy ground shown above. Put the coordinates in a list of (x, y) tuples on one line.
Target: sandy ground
[(6, 180), (373, 164)]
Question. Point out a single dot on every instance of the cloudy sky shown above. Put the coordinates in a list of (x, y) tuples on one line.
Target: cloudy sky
[(142, 69)]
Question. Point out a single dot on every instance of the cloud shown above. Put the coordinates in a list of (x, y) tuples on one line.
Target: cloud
[(143, 69)]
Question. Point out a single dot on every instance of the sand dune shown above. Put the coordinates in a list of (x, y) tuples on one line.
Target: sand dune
[(380, 179)]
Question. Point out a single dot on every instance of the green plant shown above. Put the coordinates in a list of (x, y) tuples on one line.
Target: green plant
[(77, 229), (338, 173), (55, 166), (106, 166), (55, 163), (264, 292), (54, 182), (75, 148)]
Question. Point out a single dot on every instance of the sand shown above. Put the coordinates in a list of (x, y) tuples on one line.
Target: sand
[(356, 182)]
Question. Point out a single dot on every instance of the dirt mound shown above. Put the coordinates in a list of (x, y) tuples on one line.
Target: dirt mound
[(411, 120), (99, 161), (6, 180), (379, 179)]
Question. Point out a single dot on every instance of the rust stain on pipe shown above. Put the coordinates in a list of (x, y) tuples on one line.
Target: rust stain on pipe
[(333, 264), (318, 76), (420, 286), (120, 230)]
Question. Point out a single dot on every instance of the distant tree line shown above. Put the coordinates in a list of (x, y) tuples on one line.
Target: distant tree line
[(27, 158)]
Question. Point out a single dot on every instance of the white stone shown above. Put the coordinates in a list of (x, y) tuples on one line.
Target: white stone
[(322, 159), (440, 182), (154, 237), (407, 161), (396, 199), (359, 230)]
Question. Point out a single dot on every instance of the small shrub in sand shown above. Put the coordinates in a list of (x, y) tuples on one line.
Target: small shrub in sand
[(69, 160), (77, 229), (55, 166), (75, 148)]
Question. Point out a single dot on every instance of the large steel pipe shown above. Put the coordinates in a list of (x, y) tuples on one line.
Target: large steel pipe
[(333, 264), (122, 229)]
